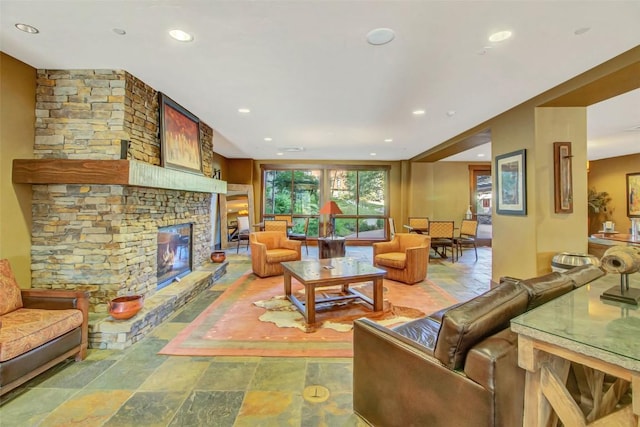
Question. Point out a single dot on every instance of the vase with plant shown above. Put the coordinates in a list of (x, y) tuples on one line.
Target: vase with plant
[(599, 210)]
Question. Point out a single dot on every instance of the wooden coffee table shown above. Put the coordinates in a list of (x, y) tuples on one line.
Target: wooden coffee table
[(331, 272)]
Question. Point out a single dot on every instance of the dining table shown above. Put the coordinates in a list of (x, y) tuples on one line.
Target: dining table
[(416, 229)]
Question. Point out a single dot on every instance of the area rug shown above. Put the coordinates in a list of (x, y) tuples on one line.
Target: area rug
[(232, 325)]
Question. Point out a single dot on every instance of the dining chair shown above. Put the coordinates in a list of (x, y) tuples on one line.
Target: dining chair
[(467, 236), (276, 225), (441, 233), (243, 231), (392, 228), (301, 236), (419, 225), (287, 218)]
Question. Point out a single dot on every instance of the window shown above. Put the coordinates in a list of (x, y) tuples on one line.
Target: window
[(360, 193), (293, 192)]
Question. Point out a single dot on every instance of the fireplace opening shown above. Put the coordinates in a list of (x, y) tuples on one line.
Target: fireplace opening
[(174, 253)]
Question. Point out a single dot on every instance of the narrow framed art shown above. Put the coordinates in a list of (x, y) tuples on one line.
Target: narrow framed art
[(562, 182), (511, 183), (179, 137), (633, 195)]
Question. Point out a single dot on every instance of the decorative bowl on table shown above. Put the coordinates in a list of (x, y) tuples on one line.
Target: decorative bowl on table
[(218, 256), (126, 307)]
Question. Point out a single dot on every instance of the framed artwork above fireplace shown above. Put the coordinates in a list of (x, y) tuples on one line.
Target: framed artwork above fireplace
[(179, 137)]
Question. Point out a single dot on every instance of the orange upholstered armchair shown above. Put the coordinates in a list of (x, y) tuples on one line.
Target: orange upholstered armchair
[(405, 257), (269, 249)]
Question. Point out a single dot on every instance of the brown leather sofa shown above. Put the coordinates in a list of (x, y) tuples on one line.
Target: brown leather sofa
[(456, 367), (38, 329)]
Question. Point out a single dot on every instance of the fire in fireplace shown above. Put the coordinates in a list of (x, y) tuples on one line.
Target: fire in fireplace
[(174, 253)]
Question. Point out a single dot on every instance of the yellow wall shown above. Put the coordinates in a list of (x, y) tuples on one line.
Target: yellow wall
[(610, 175), (564, 125), (440, 190), (17, 135)]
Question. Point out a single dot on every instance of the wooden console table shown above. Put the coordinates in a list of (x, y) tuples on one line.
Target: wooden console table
[(581, 329)]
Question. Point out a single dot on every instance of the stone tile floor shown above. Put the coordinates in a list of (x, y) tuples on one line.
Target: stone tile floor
[(138, 387)]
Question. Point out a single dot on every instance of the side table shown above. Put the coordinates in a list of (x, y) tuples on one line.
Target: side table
[(331, 247)]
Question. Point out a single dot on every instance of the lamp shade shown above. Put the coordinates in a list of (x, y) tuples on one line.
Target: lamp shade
[(330, 208)]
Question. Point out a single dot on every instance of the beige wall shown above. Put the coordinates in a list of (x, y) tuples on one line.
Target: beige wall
[(440, 190), (610, 175), (559, 124), (17, 118)]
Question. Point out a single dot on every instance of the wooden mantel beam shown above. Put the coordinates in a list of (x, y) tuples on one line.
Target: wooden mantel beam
[(111, 172)]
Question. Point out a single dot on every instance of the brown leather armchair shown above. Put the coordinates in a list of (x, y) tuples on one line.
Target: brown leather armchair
[(455, 367), (269, 249), (405, 257)]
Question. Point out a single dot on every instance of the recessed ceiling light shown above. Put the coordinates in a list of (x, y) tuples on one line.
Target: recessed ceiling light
[(181, 36), (451, 113), (581, 31), (388, 140), (418, 112), (119, 31), (373, 154), (500, 36), (27, 28), (268, 139), (380, 36), (279, 154), (481, 155), (244, 110)]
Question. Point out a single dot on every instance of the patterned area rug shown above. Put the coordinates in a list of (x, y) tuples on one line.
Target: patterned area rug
[(252, 318)]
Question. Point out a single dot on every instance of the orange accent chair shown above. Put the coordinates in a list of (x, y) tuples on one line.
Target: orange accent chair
[(269, 249), (405, 257), (40, 329)]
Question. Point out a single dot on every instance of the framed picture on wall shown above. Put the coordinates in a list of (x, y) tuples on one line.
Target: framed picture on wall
[(511, 183), (179, 137), (633, 195), (562, 183)]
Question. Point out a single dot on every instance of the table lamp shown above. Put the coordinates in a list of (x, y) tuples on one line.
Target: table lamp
[(331, 208)]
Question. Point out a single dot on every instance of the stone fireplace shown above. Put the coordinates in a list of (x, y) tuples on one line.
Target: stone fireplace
[(95, 216)]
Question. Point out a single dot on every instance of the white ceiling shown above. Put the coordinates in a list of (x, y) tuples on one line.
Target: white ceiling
[(311, 80)]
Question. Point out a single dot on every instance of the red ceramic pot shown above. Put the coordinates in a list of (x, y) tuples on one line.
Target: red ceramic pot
[(125, 307), (218, 256)]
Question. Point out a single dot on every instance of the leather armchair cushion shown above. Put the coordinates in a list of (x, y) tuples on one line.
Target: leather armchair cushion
[(584, 274), (545, 288), (476, 319), (424, 331), (10, 296), (392, 259), (25, 329)]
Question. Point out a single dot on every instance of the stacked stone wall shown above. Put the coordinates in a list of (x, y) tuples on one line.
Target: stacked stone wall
[(103, 238), (141, 120), (79, 114)]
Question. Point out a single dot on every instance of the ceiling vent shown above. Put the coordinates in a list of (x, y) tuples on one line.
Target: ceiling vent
[(291, 149)]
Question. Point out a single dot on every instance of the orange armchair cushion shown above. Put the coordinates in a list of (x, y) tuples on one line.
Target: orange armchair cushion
[(27, 328), (10, 296), (392, 259)]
